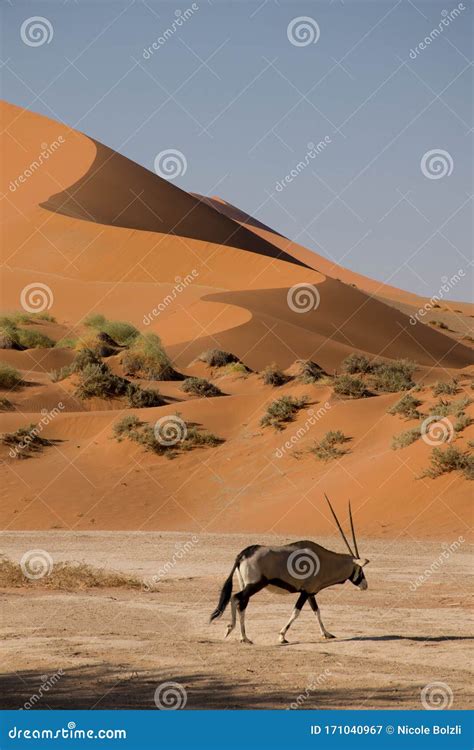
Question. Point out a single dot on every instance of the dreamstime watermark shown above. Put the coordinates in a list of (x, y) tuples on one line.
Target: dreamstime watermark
[(181, 17), (314, 149), (314, 683), (436, 164), (449, 549), (170, 696), (437, 696), (303, 298), (36, 297), (313, 418), (447, 17), (170, 164), (447, 285), (47, 150), (46, 684), (436, 430), (180, 285), (302, 31), (36, 31), (180, 552), (36, 563), (303, 563), (170, 430), (30, 437)]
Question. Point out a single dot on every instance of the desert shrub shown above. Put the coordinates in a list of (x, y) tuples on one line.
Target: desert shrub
[(407, 407), (14, 318), (446, 389), (273, 375), (394, 376), (84, 358), (350, 387), (405, 438), (98, 380), (63, 372), (443, 408), (9, 377), (122, 332), (309, 372), (142, 434), (6, 405), (328, 447), (463, 421), (8, 338), (200, 387), (30, 339), (147, 358), (65, 576), (236, 368), (282, 410), (217, 358), (67, 342), (125, 425), (357, 363), (142, 398), (25, 441), (451, 459)]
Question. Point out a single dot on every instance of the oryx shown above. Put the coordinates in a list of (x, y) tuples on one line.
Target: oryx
[(300, 567)]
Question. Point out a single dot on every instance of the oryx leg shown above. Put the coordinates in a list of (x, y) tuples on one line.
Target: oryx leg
[(296, 611), (315, 608), (233, 605), (242, 599)]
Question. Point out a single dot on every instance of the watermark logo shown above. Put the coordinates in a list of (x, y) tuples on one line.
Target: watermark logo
[(36, 297), (302, 298), (314, 149), (170, 696), (36, 563), (447, 285), (46, 684), (180, 552), (302, 31), (313, 418), (47, 150), (303, 563), (170, 430), (437, 696), (436, 430), (30, 437), (181, 17), (436, 164), (315, 682), (449, 549), (180, 285), (36, 31), (170, 164), (447, 17)]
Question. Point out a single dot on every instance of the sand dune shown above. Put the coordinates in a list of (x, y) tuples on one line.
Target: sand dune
[(106, 235)]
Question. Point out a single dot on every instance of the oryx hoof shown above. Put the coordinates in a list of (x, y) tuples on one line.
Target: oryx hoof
[(246, 640), (229, 630), (327, 636), (282, 640)]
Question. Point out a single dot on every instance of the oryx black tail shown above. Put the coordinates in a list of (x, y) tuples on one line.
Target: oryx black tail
[(226, 593)]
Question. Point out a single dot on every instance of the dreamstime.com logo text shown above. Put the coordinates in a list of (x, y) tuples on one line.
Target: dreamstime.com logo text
[(47, 150), (447, 17), (447, 285), (181, 17), (438, 563), (179, 287), (67, 733), (313, 151), (180, 552), (314, 416), (314, 684)]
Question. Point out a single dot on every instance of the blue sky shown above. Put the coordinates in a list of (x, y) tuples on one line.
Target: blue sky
[(231, 90)]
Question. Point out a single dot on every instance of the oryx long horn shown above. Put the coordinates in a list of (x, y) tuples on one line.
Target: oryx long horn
[(339, 525), (353, 532)]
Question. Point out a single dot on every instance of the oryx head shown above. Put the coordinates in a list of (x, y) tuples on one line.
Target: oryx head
[(357, 576)]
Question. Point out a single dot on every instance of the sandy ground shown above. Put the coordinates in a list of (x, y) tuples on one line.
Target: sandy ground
[(113, 648)]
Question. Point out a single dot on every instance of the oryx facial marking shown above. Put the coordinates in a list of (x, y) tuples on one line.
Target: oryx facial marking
[(303, 568)]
